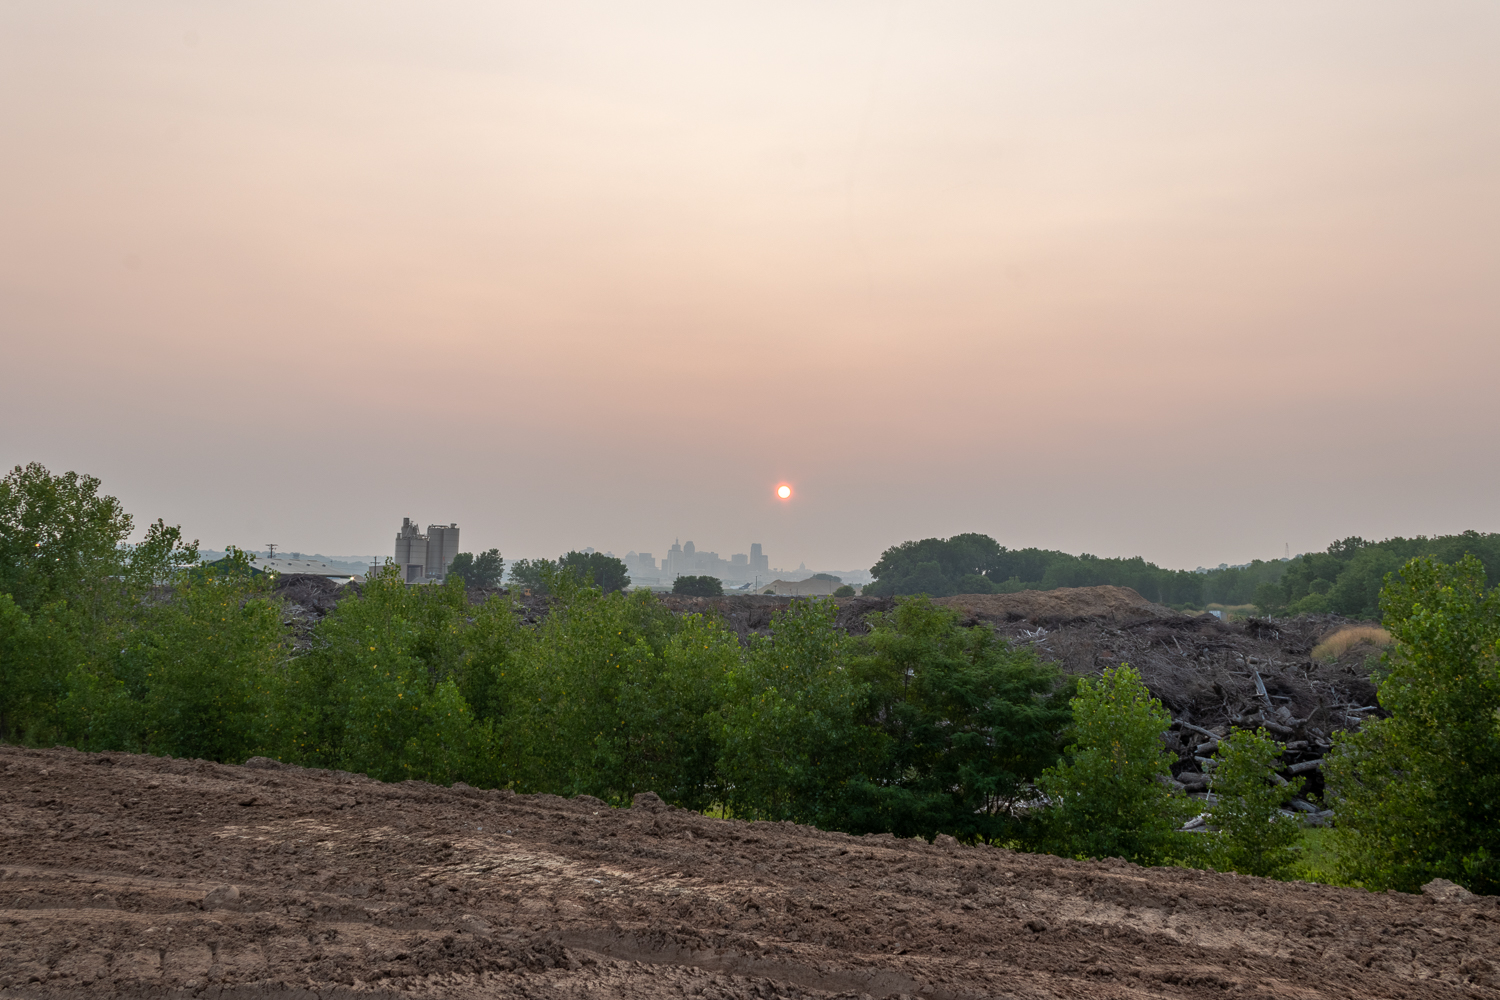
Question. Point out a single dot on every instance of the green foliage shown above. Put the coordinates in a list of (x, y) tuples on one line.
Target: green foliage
[(62, 540), (194, 676), (966, 724), (615, 699), (534, 575), (484, 571), (790, 738), (595, 569), (1418, 794), (1109, 798), (381, 693), (977, 564), (58, 535), (590, 569), (1253, 836), (71, 591), (844, 591), (1346, 579), (698, 586), (36, 652)]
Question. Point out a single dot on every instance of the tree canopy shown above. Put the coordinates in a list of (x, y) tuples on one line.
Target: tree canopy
[(1345, 579), (1418, 794), (698, 586), (591, 569), (483, 571)]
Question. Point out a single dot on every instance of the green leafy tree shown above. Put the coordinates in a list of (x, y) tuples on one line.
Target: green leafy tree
[(194, 676), (790, 735), (698, 586), (615, 698), (1270, 599), (595, 569), (1417, 795), (1253, 836), (484, 571), (535, 575), (381, 692), (71, 589), (844, 591), (58, 535), (977, 564), (1109, 798), (967, 723)]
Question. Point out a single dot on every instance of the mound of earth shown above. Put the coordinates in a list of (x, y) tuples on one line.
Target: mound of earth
[(1061, 606), (127, 876)]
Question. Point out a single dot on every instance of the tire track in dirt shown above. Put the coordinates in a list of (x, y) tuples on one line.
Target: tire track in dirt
[(128, 876)]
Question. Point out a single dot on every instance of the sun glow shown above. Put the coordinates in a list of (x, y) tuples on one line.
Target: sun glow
[(784, 491)]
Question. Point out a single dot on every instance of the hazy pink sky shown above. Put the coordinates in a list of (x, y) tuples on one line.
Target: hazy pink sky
[(1191, 281)]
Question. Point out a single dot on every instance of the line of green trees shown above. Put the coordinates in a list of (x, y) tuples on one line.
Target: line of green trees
[(921, 727), (977, 564), (1346, 579)]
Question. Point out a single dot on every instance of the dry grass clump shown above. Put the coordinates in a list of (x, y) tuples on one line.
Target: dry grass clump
[(1343, 640)]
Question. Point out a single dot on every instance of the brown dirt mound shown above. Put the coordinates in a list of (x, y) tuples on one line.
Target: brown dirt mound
[(126, 876), (1059, 607)]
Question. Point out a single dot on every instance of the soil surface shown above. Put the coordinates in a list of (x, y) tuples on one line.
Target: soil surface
[(129, 876)]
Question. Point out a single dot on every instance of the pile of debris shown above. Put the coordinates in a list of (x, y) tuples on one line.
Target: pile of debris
[(1212, 675)]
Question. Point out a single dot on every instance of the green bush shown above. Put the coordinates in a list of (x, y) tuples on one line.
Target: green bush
[(966, 723), (789, 730), (380, 692), (193, 676), (1109, 797), (614, 697), (1417, 795), (1253, 836)]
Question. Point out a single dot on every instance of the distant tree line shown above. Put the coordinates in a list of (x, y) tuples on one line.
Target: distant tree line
[(1346, 579), (977, 564)]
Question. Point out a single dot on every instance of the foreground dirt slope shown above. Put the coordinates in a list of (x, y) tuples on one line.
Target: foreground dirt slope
[(141, 876)]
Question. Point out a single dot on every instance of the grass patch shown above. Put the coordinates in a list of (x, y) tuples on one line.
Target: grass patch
[(1317, 860), (1343, 640)]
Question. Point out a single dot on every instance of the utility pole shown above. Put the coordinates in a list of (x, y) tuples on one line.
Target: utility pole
[(271, 547)]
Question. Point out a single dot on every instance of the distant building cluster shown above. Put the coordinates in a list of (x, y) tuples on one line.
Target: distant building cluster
[(425, 558), (686, 559)]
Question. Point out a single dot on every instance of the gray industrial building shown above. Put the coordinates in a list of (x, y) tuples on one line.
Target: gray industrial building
[(425, 558)]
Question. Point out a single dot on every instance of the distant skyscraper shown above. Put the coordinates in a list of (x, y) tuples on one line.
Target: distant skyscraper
[(759, 561)]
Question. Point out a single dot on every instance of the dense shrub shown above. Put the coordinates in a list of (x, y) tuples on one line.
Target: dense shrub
[(789, 722), (966, 724), (613, 697), (380, 692), (1109, 798), (193, 676), (1418, 794), (1253, 836)]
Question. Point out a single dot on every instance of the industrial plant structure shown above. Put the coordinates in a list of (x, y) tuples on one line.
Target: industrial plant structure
[(425, 558)]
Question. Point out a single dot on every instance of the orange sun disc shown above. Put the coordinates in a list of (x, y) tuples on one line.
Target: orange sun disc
[(784, 491)]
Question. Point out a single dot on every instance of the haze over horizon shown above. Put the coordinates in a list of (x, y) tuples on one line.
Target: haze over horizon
[(1190, 282)]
